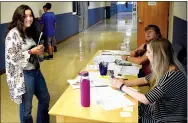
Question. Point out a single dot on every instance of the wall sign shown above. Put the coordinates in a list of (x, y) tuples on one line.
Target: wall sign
[(152, 3)]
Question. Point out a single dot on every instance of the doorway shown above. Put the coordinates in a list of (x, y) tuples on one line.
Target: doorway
[(83, 15), (152, 13)]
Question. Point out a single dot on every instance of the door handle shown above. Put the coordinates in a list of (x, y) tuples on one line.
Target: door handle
[(140, 21)]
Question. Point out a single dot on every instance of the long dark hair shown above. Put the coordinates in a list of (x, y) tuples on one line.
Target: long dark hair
[(18, 22)]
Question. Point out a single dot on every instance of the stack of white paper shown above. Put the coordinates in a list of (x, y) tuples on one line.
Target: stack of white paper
[(127, 70), (75, 84), (111, 66), (109, 98), (95, 80), (119, 62), (94, 75), (105, 58), (114, 52), (114, 66), (107, 53)]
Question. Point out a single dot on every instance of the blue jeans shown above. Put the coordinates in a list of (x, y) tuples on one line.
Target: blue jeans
[(34, 84)]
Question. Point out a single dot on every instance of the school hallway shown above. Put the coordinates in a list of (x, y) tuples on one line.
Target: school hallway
[(72, 56), (111, 26)]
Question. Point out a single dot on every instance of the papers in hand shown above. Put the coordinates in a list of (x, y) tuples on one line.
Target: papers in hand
[(40, 38)]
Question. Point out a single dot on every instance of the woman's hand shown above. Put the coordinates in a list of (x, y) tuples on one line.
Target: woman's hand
[(116, 83), (38, 50), (124, 57)]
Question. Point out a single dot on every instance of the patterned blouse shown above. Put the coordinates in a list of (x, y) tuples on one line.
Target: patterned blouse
[(16, 60)]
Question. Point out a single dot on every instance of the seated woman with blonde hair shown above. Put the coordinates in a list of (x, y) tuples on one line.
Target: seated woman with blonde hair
[(167, 100)]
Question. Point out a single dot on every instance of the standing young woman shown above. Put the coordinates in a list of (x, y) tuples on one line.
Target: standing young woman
[(23, 73), (167, 99)]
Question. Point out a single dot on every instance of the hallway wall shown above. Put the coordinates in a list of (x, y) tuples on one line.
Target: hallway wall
[(96, 12), (67, 23), (122, 8), (177, 10), (93, 5), (117, 7), (178, 29)]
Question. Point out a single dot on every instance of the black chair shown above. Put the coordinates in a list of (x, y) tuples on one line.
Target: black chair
[(181, 54)]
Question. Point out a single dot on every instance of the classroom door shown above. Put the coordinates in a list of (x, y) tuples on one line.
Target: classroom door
[(83, 15), (152, 13)]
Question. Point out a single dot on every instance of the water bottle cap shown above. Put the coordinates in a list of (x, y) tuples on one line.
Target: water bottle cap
[(84, 73)]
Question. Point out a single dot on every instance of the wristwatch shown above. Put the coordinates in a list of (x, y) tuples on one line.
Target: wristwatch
[(120, 88)]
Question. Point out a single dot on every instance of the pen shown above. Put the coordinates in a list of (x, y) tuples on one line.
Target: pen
[(101, 86), (106, 54)]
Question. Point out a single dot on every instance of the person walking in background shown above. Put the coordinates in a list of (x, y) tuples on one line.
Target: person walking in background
[(48, 26), (23, 73), (126, 4)]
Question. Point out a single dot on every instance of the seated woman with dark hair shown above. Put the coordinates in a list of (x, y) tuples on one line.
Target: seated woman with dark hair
[(138, 56), (167, 100)]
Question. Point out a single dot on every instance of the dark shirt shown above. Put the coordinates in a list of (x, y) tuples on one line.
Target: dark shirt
[(48, 19)]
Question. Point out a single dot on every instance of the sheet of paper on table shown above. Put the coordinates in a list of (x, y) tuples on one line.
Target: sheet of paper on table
[(108, 98), (113, 66), (128, 108), (125, 114), (115, 52), (105, 58), (127, 70), (95, 80)]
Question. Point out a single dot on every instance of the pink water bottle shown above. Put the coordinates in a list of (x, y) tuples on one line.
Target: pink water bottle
[(85, 89)]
